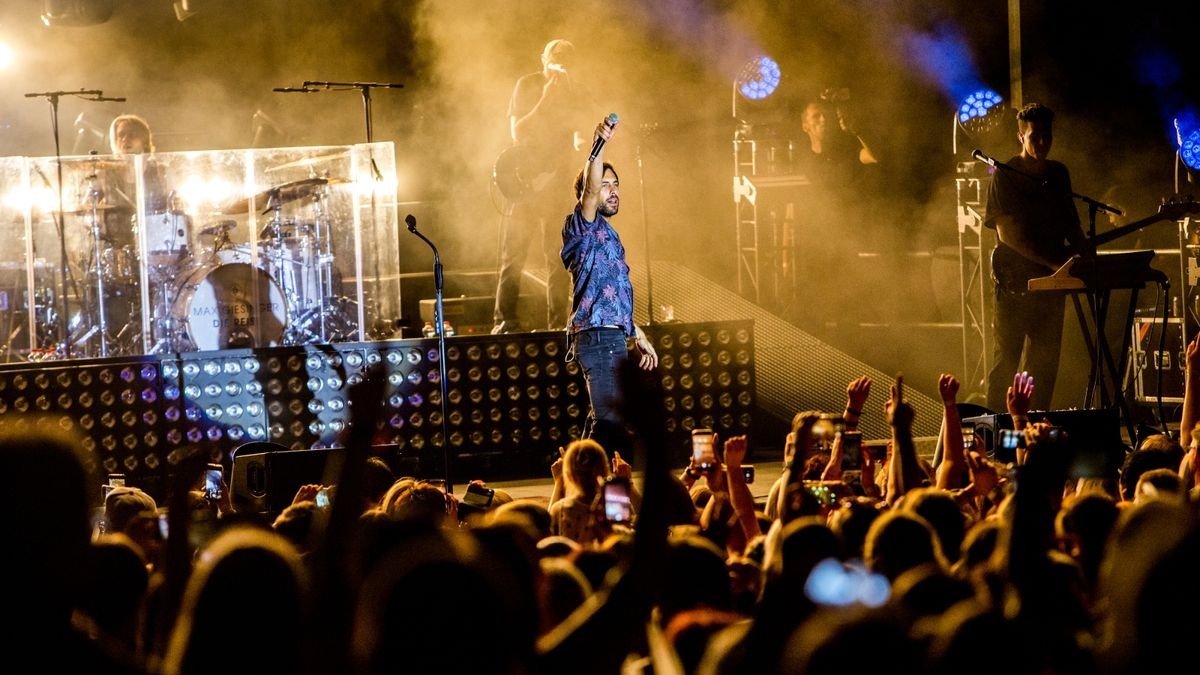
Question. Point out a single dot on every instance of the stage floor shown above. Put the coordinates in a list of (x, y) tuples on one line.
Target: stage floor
[(539, 489)]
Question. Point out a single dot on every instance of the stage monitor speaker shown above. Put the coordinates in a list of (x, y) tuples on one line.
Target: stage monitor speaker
[(1094, 439), (266, 482)]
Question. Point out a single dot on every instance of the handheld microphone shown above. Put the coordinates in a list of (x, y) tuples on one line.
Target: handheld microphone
[(978, 154), (611, 121)]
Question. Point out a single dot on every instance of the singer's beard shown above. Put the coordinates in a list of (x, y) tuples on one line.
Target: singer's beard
[(607, 210)]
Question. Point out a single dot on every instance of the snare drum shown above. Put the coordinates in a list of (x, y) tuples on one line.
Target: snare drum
[(215, 308)]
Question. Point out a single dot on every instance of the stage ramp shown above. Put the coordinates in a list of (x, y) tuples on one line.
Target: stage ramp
[(794, 370)]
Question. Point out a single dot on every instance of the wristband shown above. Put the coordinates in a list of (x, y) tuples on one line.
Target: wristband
[(854, 411)]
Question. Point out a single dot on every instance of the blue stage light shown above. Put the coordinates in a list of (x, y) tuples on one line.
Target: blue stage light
[(759, 78), (1187, 135), (978, 105)]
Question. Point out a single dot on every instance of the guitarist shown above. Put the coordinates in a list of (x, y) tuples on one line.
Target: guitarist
[(1035, 220), (541, 113)]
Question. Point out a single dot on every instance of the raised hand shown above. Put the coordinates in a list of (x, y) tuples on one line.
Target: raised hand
[(857, 392), (1019, 395), (898, 414), (735, 452), (948, 388), (621, 468)]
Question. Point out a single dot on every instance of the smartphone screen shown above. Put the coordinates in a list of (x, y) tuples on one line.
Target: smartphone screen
[(617, 507), (478, 496), (968, 434), (704, 457), (323, 500), (116, 479), (851, 450), (1010, 439), (213, 478)]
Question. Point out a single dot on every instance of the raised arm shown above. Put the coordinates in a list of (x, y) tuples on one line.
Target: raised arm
[(904, 471), (593, 173), (739, 492), (950, 470), (1019, 394)]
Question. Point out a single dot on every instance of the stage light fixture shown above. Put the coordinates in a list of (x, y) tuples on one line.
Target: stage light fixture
[(978, 116), (758, 79), (1187, 137)]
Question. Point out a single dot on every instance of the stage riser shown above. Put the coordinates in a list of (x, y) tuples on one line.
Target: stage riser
[(513, 399)]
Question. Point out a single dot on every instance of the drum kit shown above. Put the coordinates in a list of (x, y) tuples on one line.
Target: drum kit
[(204, 290)]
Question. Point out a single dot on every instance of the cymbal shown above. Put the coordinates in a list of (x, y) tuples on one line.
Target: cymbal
[(309, 161), (223, 226), (281, 194)]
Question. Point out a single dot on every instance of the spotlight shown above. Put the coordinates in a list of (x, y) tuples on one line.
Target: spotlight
[(978, 116), (978, 104), (759, 78), (1187, 136)]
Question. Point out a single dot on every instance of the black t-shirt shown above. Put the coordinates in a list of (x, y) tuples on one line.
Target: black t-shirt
[(548, 137), (1042, 209)]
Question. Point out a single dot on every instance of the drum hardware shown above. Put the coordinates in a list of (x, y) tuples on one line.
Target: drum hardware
[(275, 197), (95, 195)]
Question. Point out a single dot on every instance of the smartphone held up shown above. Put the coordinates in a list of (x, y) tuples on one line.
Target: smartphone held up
[(618, 507), (704, 454)]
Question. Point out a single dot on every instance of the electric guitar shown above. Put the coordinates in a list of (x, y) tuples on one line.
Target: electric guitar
[(521, 172), (1170, 209)]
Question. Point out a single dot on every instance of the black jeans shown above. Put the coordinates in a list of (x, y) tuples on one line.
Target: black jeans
[(600, 352), (1038, 317)]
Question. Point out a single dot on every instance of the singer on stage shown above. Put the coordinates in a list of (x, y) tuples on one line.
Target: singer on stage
[(1034, 217), (601, 323)]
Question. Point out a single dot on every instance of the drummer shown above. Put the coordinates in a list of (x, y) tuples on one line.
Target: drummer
[(130, 135)]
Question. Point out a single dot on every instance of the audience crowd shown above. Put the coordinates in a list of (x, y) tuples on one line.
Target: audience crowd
[(881, 562)]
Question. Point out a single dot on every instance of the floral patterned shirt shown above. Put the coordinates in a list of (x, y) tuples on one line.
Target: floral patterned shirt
[(593, 254)]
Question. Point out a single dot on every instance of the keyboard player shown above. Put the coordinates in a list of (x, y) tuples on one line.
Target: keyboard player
[(1036, 222)]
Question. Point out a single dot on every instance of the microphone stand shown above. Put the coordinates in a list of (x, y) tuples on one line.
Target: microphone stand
[(52, 97), (441, 335), (645, 129), (313, 86)]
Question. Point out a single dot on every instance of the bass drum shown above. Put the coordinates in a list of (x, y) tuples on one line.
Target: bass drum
[(215, 308)]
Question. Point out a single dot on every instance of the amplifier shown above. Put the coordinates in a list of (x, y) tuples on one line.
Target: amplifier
[(1149, 360), (1094, 436)]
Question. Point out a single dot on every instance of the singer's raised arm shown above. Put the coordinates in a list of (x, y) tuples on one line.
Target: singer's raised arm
[(593, 172)]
